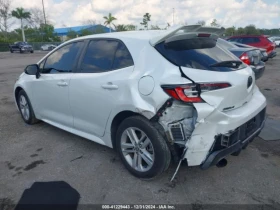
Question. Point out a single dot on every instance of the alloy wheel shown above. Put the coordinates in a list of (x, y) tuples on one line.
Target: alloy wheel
[(137, 149), (24, 108)]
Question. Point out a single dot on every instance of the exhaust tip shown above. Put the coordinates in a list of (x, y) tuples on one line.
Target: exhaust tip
[(222, 163)]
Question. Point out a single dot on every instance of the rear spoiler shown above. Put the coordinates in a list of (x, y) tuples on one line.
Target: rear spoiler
[(190, 29)]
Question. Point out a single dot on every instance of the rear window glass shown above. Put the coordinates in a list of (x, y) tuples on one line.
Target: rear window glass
[(201, 58), (225, 44), (239, 40)]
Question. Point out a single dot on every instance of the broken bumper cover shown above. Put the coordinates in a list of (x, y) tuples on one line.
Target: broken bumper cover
[(212, 123), (237, 142)]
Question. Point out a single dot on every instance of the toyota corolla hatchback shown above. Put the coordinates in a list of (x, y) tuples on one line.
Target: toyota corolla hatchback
[(152, 95)]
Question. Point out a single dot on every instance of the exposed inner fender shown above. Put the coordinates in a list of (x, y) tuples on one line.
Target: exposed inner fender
[(179, 121)]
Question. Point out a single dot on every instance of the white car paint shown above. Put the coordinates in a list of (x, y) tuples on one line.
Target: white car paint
[(47, 46), (276, 40), (86, 104)]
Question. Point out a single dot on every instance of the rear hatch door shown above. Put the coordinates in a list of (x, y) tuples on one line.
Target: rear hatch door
[(204, 62)]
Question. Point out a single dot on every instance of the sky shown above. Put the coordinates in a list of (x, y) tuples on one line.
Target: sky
[(238, 13)]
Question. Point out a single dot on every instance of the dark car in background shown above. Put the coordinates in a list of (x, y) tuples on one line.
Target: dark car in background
[(263, 51), (21, 47), (259, 41), (250, 56)]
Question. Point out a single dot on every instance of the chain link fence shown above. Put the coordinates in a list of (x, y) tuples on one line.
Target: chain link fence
[(4, 47)]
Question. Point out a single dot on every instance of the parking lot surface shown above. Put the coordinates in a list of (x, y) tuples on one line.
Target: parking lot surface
[(43, 153)]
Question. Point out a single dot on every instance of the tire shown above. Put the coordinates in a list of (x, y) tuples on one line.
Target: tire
[(31, 51), (152, 151), (20, 51), (25, 107), (11, 51)]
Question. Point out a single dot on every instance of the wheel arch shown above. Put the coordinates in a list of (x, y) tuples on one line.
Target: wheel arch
[(16, 92), (121, 116)]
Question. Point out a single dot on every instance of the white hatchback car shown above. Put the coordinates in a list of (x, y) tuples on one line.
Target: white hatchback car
[(151, 95)]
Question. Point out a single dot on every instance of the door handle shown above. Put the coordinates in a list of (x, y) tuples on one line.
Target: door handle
[(110, 86), (62, 84)]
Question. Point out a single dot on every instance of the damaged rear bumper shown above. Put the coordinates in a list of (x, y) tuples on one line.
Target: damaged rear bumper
[(195, 128), (212, 123), (236, 144)]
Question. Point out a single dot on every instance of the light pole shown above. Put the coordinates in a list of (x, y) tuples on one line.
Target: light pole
[(44, 12), (44, 17)]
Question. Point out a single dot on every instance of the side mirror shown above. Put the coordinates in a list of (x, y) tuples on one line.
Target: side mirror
[(32, 69)]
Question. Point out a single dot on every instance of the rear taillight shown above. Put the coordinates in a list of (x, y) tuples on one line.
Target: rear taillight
[(190, 93), (245, 58)]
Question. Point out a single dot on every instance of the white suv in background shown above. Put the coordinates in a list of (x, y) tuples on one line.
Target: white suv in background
[(151, 95), (276, 40)]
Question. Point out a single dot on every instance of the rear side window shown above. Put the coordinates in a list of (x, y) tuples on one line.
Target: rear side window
[(122, 57), (202, 58), (99, 56), (105, 55)]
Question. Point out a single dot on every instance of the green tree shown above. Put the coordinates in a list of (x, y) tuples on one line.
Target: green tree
[(201, 22), (85, 32), (155, 27), (71, 34), (109, 20), (230, 31), (99, 29), (21, 14), (44, 33), (146, 20), (5, 16), (130, 27), (48, 32), (121, 27), (214, 23), (251, 30), (32, 34), (240, 31)]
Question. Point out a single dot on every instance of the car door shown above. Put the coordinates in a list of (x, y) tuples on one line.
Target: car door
[(95, 90), (51, 89)]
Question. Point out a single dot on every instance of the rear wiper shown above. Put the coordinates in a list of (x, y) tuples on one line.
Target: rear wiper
[(230, 64)]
